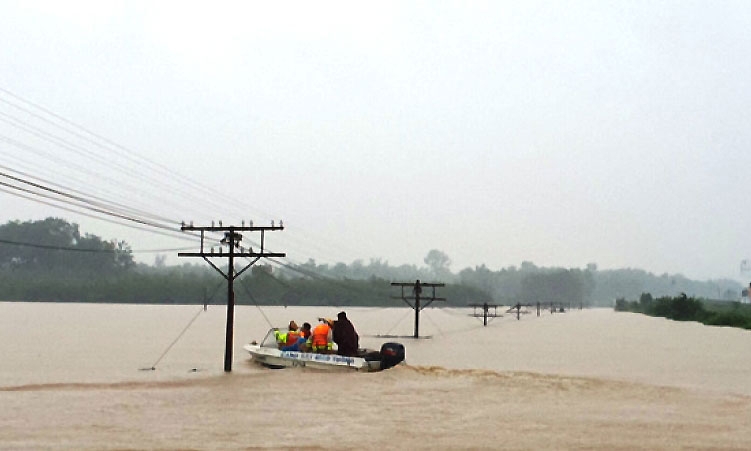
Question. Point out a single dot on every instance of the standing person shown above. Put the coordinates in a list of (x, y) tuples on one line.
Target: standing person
[(345, 336)]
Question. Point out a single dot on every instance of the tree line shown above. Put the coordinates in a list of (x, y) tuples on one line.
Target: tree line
[(686, 308), (51, 260)]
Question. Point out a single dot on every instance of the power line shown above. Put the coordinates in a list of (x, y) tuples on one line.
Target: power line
[(52, 119), (104, 204), (320, 277), (108, 144), (78, 249), (90, 155), (86, 170), (32, 167), (78, 199), (95, 209), (107, 207), (113, 204), (133, 226)]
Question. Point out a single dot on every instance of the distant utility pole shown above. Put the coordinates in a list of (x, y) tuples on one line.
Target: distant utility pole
[(486, 313), (417, 291), (232, 240), (518, 308)]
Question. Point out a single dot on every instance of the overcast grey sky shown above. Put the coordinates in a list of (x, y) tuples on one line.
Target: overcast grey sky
[(562, 133)]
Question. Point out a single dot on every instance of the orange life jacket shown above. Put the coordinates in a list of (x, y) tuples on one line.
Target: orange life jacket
[(320, 335), (292, 337)]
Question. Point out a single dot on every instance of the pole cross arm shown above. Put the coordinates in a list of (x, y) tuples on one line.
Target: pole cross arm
[(411, 284), (235, 228), (236, 254)]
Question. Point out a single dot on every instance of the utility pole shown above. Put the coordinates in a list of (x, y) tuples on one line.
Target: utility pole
[(518, 308), (486, 313), (231, 239), (417, 291)]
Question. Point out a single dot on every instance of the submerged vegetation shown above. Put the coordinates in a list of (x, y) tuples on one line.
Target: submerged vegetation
[(685, 308), (51, 260)]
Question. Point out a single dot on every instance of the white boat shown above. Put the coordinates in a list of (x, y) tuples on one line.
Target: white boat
[(268, 354)]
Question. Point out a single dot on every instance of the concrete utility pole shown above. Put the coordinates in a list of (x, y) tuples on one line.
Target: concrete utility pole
[(232, 240), (417, 291)]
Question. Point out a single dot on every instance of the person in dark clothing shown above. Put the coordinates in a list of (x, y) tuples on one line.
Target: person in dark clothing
[(345, 336)]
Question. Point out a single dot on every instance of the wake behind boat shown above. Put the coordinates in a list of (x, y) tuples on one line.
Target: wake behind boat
[(268, 354)]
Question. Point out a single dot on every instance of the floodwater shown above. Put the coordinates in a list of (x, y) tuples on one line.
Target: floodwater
[(77, 376)]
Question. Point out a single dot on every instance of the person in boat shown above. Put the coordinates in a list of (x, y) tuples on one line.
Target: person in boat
[(305, 332), (301, 339), (320, 338), (289, 338), (345, 336)]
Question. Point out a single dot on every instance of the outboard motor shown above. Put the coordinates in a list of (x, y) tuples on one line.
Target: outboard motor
[(391, 354)]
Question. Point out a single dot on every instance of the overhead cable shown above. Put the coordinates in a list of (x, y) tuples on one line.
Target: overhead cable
[(78, 249)]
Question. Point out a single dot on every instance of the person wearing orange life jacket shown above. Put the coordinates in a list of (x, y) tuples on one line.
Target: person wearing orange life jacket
[(302, 338), (288, 338), (320, 338)]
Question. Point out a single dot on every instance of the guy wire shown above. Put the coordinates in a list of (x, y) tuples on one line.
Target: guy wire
[(242, 282), (202, 309)]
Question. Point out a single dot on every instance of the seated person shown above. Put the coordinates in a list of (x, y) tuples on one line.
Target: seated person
[(305, 331), (300, 340), (320, 338), (287, 338)]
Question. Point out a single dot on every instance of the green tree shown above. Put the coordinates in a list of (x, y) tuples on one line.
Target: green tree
[(439, 263), (555, 286), (54, 245)]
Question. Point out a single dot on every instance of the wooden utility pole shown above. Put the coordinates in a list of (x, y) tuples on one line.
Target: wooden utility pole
[(231, 239), (416, 296), (518, 308), (486, 313)]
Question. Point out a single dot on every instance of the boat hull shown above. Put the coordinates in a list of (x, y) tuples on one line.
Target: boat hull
[(275, 358)]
